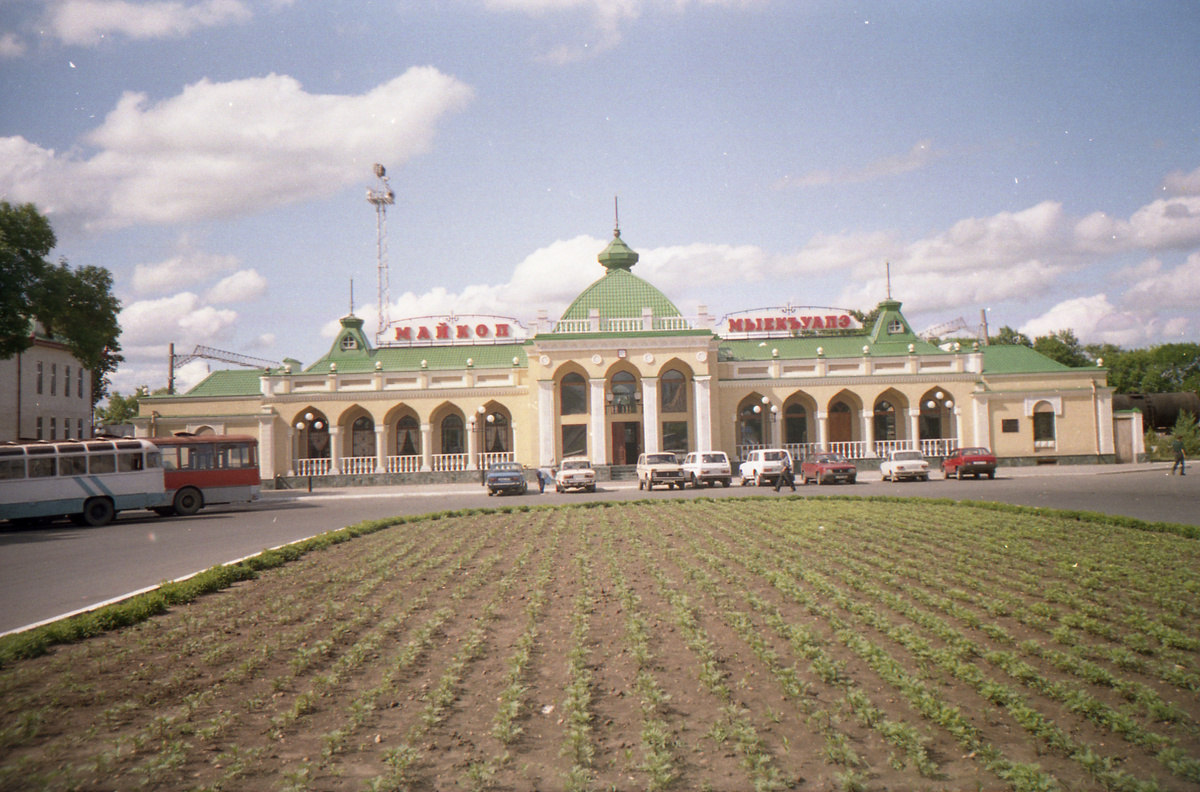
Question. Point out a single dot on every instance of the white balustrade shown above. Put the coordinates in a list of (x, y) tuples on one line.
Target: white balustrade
[(409, 463), (445, 463), (495, 456), (357, 466), (313, 467)]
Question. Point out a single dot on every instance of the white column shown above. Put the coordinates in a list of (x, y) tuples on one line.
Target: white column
[(823, 430), (650, 414), (335, 450), (473, 428), (703, 412), (426, 447), (266, 446), (293, 451), (914, 427), (381, 448), (546, 423), (958, 427), (868, 432), (596, 406), (983, 426)]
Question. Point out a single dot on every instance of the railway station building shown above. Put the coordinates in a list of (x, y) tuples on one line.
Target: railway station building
[(624, 371)]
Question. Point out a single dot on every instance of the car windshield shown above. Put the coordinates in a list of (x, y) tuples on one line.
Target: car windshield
[(714, 457), (506, 466), (976, 452), (830, 458), (658, 459), (908, 455), (575, 465)]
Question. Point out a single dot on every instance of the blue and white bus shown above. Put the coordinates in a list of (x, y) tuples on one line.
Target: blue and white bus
[(87, 481)]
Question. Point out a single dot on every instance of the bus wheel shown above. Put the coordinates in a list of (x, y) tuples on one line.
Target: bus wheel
[(98, 511), (188, 501)]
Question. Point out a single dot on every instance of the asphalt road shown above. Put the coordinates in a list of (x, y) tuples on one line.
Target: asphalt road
[(46, 573)]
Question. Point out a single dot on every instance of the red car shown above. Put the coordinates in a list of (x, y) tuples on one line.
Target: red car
[(963, 462), (827, 469)]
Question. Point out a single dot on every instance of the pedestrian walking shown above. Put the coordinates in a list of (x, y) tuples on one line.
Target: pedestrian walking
[(1177, 447), (785, 475), (544, 476)]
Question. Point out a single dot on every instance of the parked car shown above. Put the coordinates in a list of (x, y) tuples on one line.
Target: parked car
[(963, 462), (763, 466), (904, 465), (707, 467), (661, 468), (506, 477), (575, 473), (828, 468)]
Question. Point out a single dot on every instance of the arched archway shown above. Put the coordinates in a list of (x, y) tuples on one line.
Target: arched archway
[(936, 422), (312, 452)]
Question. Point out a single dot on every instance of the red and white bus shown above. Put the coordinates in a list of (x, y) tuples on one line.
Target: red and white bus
[(203, 470)]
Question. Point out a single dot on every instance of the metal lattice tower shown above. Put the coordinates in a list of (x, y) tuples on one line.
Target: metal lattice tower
[(381, 198)]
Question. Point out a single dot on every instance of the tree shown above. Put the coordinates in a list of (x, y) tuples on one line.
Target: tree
[(119, 410), (1064, 347), (76, 307), (25, 240), (1008, 336)]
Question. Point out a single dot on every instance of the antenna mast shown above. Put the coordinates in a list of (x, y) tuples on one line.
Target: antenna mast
[(381, 198)]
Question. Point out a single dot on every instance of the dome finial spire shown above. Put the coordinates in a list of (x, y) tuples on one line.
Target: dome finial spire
[(616, 218)]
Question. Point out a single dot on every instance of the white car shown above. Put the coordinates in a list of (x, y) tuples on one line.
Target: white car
[(707, 467), (662, 468), (904, 464), (575, 473), (764, 466)]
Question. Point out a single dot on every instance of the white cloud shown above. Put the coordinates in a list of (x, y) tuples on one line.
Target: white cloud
[(1158, 290), (1094, 319), (11, 46), (87, 22), (230, 149), (1181, 183), (241, 286), (180, 272), (148, 326)]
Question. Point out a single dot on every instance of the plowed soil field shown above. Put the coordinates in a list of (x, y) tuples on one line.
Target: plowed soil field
[(722, 645)]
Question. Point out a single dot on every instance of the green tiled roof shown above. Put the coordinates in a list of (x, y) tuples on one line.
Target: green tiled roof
[(435, 357), (620, 295), (845, 346), (1016, 359), (231, 382)]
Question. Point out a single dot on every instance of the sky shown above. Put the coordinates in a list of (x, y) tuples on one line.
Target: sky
[(1036, 161)]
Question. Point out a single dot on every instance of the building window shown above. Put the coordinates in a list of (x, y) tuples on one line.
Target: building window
[(895, 326), (80, 432), (795, 424), (573, 394), (40, 367), (574, 440), (53, 379), (1010, 425), (452, 434), (79, 381), (408, 437), (66, 380), (750, 426), (674, 392), (362, 437), (885, 420), (675, 437), (624, 394), (53, 428), (495, 434), (1043, 425)]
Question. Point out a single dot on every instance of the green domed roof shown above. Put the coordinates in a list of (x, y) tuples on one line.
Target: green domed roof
[(620, 294)]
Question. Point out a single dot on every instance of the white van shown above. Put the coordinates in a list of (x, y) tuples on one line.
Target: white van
[(707, 467), (764, 466)]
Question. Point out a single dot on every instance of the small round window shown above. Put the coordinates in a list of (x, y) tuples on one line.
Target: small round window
[(895, 326), (348, 342)]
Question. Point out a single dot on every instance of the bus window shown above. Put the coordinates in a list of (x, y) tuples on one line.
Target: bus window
[(42, 467), (196, 457), (102, 463), (237, 455), (128, 462), (12, 467), (72, 465)]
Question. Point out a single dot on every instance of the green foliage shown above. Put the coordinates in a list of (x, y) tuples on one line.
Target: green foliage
[(119, 410), (1064, 347), (25, 240), (1010, 337)]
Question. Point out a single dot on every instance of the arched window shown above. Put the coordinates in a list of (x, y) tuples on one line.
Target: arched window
[(313, 429), (673, 387), (750, 425), (362, 437), (1043, 425), (795, 424), (624, 393), (573, 394), (495, 433), (408, 436), (452, 434), (885, 420)]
